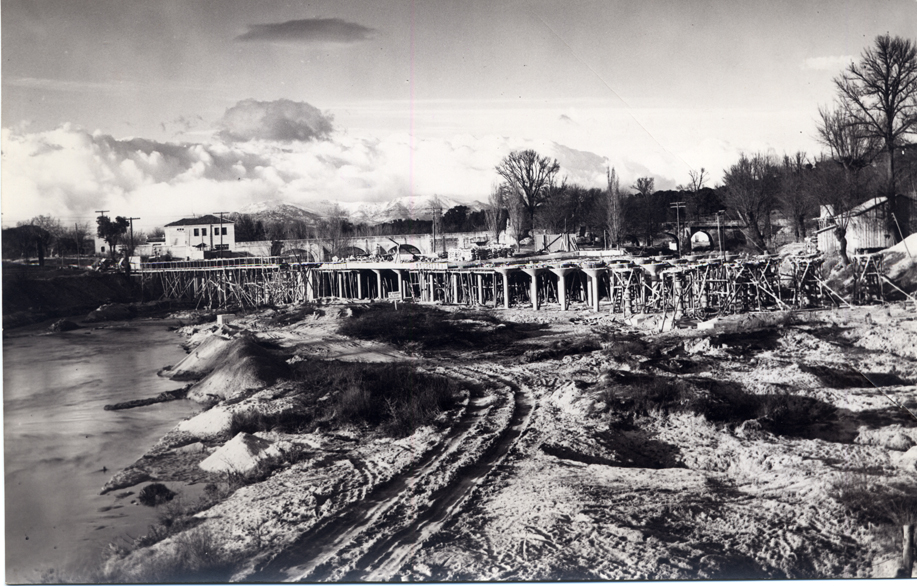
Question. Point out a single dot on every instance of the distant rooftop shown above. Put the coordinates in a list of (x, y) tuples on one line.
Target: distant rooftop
[(200, 221)]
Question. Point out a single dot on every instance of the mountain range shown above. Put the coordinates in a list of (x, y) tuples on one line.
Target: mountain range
[(370, 213)]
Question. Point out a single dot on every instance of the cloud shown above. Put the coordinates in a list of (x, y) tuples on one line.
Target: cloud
[(828, 63), (281, 120), (309, 31), (70, 172)]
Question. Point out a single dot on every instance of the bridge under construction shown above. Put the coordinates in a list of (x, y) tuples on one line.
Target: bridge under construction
[(697, 287)]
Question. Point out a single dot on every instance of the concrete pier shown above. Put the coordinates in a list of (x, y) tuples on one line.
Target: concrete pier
[(505, 272), (533, 273), (562, 273), (593, 286)]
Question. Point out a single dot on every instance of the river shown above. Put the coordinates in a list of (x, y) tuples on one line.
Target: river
[(58, 438)]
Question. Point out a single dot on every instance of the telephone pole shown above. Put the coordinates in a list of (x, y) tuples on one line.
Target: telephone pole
[(132, 235), (221, 231), (102, 212), (678, 205)]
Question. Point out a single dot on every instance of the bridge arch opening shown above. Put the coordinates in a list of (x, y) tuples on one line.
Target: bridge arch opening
[(701, 240), (404, 249), (300, 255), (349, 251)]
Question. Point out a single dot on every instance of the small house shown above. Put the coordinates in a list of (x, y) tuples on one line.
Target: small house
[(195, 237)]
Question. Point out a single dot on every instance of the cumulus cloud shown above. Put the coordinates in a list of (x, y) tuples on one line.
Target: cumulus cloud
[(828, 63), (70, 172), (308, 31), (280, 120)]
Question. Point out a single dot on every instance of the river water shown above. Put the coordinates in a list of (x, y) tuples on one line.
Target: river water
[(57, 439)]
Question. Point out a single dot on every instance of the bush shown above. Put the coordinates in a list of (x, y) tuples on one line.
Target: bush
[(298, 419), (718, 402), (879, 503), (155, 494), (397, 398), (429, 328)]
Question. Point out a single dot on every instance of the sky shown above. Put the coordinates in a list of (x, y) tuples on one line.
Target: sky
[(162, 109)]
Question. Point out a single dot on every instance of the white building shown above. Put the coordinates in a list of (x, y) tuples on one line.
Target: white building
[(192, 237)]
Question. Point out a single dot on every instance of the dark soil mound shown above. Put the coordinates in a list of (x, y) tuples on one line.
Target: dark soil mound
[(29, 300)]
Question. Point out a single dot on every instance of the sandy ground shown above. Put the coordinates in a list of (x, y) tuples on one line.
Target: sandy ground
[(536, 477)]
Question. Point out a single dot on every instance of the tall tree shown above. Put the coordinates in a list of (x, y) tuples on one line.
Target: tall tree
[(494, 209), (111, 231), (51, 234), (643, 212), (247, 229), (879, 95), (530, 175), (516, 214), (614, 207), (749, 189)]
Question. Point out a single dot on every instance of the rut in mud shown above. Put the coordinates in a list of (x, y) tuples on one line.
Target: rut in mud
[(372, 539)]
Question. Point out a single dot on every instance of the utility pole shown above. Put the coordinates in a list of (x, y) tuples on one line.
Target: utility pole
[(221, 231), (719, 232), (131, 220), (678, 205), (102, 212)]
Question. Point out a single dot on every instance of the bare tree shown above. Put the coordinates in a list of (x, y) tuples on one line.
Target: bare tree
[(843, 179), (51, 234), (795, 196), (644, 212), (157, 233), (493, 210), (516, 212), (530, 175), (879, 96), (698, 179), (749, 189), (331, 229), (614, 207), (645, 186), (79, 235)]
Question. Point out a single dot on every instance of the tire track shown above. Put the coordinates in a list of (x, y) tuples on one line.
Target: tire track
[(375, 535), (383, 562)]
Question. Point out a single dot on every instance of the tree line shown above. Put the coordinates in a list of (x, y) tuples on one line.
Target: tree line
[(867, 154)]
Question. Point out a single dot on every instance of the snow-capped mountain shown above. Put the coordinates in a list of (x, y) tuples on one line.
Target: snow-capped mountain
[(371, 213), (273, 211)]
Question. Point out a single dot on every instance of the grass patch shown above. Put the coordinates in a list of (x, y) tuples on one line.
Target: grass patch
[(395, 399), (642, 395), (869, 500), (421, 327)]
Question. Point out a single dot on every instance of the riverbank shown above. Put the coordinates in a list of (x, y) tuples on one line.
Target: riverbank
[(574, 447), (34, 295)]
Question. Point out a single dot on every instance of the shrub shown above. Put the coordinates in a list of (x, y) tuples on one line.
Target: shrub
[(155, 494), (294, 420), (429, 328), (397, 398), (718, 402), (871, 501)]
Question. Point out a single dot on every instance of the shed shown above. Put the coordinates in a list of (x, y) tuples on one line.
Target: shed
[(867, 228)]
